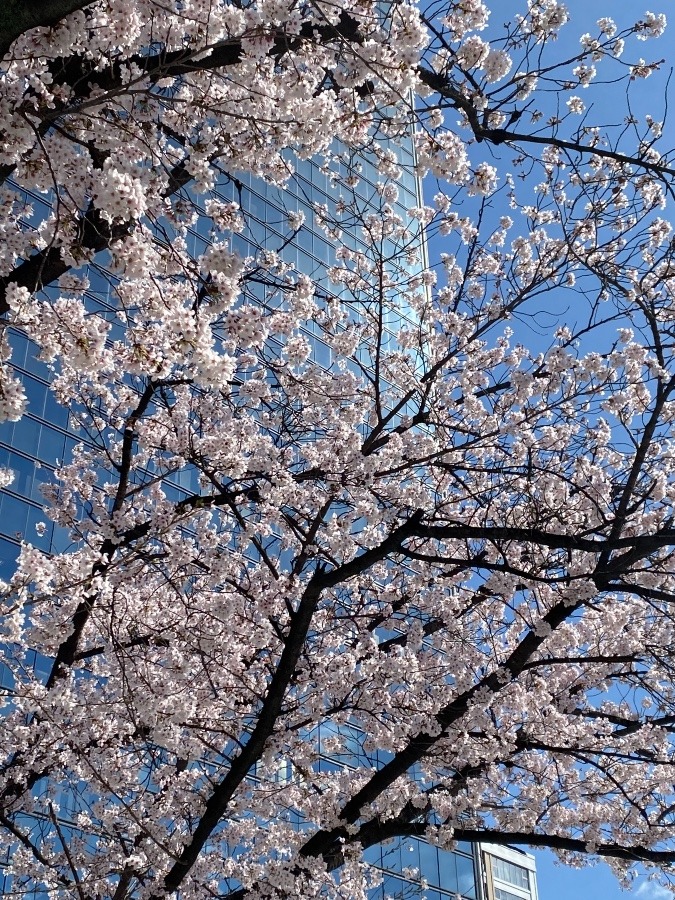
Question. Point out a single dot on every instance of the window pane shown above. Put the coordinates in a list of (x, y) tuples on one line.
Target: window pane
[(466, 878), (8, 554), (501, 894), (429, 862), (510, 872)]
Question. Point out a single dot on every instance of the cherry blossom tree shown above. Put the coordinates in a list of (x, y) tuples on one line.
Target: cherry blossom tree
[(422, 587)]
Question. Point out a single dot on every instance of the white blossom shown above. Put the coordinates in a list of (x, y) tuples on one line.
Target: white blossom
[(336, 509)]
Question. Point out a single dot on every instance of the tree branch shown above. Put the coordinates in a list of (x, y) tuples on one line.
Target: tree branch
[(18, 16)]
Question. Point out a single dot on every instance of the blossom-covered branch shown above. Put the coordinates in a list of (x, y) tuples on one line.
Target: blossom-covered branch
[(361, 523)]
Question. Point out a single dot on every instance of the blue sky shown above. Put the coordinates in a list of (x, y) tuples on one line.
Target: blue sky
[(556, 881)]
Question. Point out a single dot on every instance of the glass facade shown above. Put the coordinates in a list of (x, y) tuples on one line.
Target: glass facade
[(406, 862), (33, 447)]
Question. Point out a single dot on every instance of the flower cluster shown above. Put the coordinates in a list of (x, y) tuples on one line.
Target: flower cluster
[(364, 509)]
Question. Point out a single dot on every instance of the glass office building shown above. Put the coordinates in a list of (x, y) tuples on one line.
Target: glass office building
[(33, 447)]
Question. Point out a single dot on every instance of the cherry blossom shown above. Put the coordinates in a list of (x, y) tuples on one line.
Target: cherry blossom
[(365, 530)]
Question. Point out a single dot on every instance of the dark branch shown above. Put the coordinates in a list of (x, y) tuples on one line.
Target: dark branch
[(18, 16)]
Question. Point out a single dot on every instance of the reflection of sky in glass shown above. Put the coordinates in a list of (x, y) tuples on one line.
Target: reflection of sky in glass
[(34, 446)]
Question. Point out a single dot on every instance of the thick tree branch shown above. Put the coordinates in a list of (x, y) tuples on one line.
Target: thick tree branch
[(271, 707), (665, 858), (18, 16)]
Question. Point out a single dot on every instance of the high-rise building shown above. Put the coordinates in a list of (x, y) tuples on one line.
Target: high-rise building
[(507, 873), (33, 447)]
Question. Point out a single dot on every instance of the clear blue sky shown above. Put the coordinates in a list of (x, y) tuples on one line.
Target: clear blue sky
[(556, 881)]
